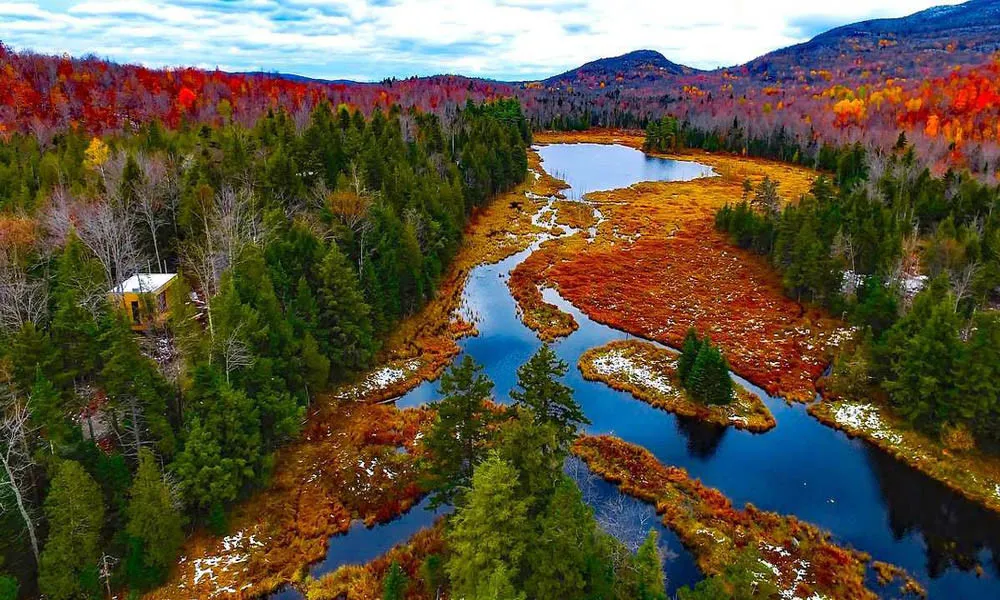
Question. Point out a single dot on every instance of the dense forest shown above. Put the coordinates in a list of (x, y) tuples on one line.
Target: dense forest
[(300, 245), (912, 260)]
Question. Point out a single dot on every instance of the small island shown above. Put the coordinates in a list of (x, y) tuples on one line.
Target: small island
[(657, 376)]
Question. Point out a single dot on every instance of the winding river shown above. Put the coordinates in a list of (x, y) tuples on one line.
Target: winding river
[(863, 497)]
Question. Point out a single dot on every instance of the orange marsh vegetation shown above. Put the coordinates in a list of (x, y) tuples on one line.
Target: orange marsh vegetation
[(798, 558), (657, 267)]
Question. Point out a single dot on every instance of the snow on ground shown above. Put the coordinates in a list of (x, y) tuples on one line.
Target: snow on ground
[(799, 567), (231, 557), (913, 284), (860, 416), (381, 379), (616, 363)]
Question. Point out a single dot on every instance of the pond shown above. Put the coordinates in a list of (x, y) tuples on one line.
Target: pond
[(863, 497)]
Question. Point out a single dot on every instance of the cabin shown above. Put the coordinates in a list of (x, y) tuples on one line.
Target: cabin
[(143, 296)]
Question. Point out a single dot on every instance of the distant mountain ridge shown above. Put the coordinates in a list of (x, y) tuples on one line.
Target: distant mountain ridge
[(973, 28), (633, 67)]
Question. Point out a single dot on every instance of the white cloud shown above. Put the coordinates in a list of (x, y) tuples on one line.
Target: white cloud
[(514, 39)]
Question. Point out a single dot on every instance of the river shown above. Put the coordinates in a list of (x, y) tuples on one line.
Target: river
[(863, 497)]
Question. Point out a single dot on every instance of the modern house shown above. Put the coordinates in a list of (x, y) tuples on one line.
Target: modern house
[(144, 298)]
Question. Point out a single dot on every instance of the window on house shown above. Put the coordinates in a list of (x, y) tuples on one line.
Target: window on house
[(136, 316)]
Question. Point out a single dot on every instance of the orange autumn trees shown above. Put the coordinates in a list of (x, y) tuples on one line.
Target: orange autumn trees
[(49, 93)]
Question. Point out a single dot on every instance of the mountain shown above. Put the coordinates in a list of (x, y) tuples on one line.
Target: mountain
[(630, 70), (934, 39)]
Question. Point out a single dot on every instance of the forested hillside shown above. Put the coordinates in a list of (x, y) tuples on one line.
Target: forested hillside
[(299, 246), (932, 75)]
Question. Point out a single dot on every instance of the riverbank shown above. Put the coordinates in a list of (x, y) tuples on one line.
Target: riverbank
[(971, 474), (346, 464), (798, 558), (620, 276), (366, 581), (649, 373)]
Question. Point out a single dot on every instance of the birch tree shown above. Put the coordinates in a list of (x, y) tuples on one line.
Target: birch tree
[(17, 463)]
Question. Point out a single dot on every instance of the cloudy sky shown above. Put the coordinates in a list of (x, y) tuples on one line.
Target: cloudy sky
[(373, 39)]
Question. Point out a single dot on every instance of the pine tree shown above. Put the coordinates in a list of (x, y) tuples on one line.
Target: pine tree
[(222, 448), (457, 441), (649, 569), (394, 584), (344, 322), (154, 523), (559, 556), (708, 381), (549, 400), (923, 385), (8, 588), (490, 533), (75, 512), (689, 352), (977, 376), (49, 412)]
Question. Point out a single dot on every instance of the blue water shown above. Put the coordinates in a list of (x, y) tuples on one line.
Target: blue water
[(598, 167), (801, 467)]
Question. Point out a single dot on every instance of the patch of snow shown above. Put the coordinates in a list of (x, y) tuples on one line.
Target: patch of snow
[(913, 284), (616, 363), (232, 556), (381, 379), (859, 416)]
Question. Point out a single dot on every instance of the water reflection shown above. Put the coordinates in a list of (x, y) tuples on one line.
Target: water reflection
[(957, 532), (703, 438)]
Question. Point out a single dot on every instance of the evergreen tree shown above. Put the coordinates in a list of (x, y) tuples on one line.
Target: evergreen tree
[(706, 371), (8, 588), (154, 524), (490, 534), (649, 569), (689, 352), (977, 377), (222, 447), (456, 442), (343, 317), (394, 584), (561, 552), (549, 400), (923, 385), (75, 511)]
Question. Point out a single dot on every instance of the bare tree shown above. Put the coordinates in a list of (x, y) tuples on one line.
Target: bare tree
[(150, 195), (109, 231), (961, 282), (230, 225), (17, 463), (21, 299), (132, 435), (235, 352)]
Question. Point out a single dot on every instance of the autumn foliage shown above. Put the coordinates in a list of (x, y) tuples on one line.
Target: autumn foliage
[(45, 94), (806, 563)]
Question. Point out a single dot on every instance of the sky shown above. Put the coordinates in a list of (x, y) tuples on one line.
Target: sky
[(369, 40)]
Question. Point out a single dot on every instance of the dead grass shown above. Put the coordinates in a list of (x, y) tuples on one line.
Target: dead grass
[(799, 558), (574, 214), (657, 267), (345, 467), (346, 464), (648, 372)]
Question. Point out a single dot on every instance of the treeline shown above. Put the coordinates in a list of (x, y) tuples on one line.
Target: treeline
[(864, 244), (302, 246), (663, 135)]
